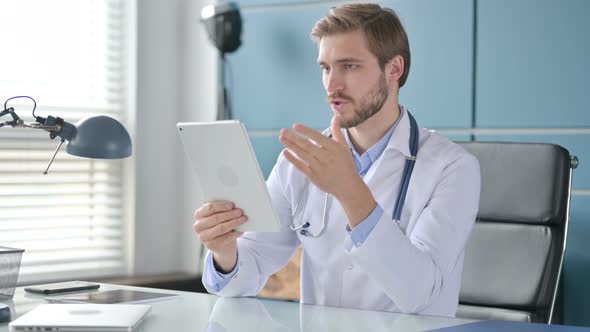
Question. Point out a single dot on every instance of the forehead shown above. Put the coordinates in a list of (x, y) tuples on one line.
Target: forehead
[(344, 46)]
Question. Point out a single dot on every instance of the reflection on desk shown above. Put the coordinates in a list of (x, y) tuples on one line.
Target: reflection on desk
[(251, 314)]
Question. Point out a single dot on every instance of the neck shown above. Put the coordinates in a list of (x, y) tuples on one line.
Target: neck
[(368, 133)]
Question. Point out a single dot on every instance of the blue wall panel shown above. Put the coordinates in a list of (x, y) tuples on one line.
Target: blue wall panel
[(578, 145), (532, 63), (439, 87), (577, 264), (276, 79), (267, 149)]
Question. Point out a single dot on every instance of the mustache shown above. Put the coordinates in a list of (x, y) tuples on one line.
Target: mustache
[(340, 96)]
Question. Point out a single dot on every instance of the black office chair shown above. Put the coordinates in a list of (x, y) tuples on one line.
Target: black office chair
[(514, 258)]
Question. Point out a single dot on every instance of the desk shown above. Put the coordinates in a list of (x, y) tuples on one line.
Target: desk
[(210, 313)]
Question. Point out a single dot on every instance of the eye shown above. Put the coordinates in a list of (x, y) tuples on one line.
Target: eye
[(350, 66), (325, 69)]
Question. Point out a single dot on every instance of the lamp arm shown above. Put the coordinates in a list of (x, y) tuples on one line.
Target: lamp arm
[(54, 130), (15, 118), (53, 157), (36, 125)]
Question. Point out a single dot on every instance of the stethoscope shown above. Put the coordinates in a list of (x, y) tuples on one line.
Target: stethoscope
[(401, 198)]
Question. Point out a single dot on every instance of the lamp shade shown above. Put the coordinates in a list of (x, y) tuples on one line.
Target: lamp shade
[(100, 137)]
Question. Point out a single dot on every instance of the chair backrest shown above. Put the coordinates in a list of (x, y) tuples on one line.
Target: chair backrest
[(514, 257)]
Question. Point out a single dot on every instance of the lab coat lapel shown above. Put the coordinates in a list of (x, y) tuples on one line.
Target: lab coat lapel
[(399, 142)]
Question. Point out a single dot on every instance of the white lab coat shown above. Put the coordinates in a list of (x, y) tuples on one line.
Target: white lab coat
[(412, 267)]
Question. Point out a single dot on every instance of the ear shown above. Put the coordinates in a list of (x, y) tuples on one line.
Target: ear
[(394, 69)]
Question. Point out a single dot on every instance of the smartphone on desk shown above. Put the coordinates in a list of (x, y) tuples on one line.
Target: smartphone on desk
[(62, 287)]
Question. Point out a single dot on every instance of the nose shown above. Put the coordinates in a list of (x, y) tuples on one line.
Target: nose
[(333, 82)]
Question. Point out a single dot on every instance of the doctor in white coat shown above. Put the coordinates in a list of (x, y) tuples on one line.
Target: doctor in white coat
[(370, 241)]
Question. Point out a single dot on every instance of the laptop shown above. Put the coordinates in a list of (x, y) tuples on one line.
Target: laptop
[(226, 168), (82, 317)]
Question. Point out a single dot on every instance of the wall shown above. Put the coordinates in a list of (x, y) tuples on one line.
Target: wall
[(175, 82), (481, 69)]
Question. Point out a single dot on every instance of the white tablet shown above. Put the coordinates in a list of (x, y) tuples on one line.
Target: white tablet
[(226, 168)]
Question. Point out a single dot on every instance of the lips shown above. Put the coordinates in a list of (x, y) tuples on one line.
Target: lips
[(338, 101), (338, 104)]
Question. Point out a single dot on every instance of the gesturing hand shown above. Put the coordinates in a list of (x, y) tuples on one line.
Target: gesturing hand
[(327, 162)]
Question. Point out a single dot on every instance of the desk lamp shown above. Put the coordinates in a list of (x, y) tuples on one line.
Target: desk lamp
[(100, 137)]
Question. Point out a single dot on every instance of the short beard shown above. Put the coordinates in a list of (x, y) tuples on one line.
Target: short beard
[(368, 105)]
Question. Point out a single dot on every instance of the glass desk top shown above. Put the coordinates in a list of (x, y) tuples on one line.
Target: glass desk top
[(210, 313)]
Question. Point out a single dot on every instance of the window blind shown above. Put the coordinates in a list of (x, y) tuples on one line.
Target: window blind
[(70, 56)]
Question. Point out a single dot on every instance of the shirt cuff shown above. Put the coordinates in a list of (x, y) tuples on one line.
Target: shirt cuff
[(215, 279), (361, 232)]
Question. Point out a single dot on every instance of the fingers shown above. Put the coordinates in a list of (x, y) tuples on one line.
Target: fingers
[(300, 165), (211, 221), (297, 139), (315, 135), (302, 147), (215, 224), (211, 208), (221, 229), (336, 132)]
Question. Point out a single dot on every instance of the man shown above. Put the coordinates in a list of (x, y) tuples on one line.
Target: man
[(335, 194)]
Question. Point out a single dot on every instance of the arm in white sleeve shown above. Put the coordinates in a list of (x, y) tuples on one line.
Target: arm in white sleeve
[(412, 268)]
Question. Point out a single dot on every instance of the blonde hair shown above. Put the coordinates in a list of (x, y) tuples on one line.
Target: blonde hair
[(385, 33)]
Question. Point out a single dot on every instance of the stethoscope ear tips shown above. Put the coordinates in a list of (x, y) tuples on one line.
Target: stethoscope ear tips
[(305, 225)]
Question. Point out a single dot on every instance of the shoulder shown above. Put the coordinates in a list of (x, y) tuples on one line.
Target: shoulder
[(435, 148)]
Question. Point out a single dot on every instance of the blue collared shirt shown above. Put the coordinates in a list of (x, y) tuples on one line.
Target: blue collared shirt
[(217, 280)]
